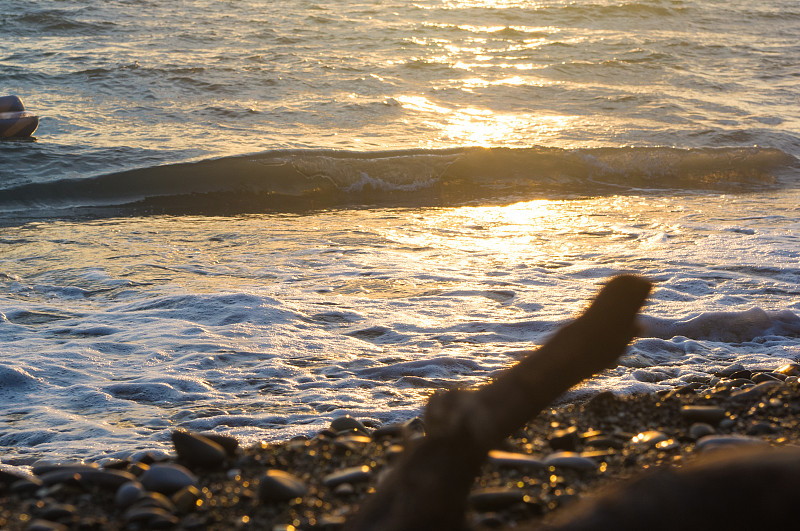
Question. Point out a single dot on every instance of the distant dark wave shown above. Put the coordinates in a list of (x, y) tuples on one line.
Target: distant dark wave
[(297, 180)]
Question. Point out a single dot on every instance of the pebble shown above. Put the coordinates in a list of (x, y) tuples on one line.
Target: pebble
[(571, 460), (228, 443), (128, 493), (167, 478), (348, 424), (765, 377), (514, 460), (700, 429), (729, 370), (603, 441), (712, 442), (356, 474), (708, 414), (790, 369), (755, 391), (277, 486), (186, 499), (155, 499), (196, 450), (58, 511)]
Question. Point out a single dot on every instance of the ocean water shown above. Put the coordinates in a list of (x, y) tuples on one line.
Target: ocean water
[(251, 217)]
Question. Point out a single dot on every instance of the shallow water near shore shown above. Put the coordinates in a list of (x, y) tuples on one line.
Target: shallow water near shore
[(281, 214)]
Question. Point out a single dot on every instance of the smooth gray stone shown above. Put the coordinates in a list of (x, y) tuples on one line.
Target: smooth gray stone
[(197, 450), (729, 370), (701, 429), (712, 442), (277, 485), (167, 478), (40, 470), (354, 474), (514, 460), (571, 460), (348, 424), (128, 493), (790, 369), (756, 391), (765, 377), (228, 443), (111, 479)]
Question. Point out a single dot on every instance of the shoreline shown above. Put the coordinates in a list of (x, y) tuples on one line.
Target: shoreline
[(567, 452)]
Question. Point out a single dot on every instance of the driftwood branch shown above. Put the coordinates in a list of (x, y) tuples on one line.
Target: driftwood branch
[(429, 488)]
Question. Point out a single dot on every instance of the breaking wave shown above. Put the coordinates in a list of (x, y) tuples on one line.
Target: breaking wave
[(299, 180)]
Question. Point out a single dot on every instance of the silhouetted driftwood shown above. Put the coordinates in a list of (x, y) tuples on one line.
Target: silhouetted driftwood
[(428, 489)]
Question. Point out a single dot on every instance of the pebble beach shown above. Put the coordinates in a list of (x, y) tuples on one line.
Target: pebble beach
[(564, 455)]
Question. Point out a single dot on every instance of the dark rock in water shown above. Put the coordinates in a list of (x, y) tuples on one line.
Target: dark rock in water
[(279, 486), (729, 370), (571, 460), (708, 414), (41, 470), (348, 424), (228, 443), (566, 439), (496, 498), (700, 429), (766, 377), (196, 450), (355, 474), (713, 442), (756, 391), (514, 460), (388, 431), (167, 478), (24, 486), (790, 369), (128, 493), (743, 374), (109, 479)]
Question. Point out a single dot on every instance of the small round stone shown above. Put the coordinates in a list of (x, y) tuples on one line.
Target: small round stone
[(356, 474), (790, 369), (514, 460), (348, 424), (571, 460), (712, 442), (278, 486), (128, 493), (167, 478), (196, 450), (700, 429)]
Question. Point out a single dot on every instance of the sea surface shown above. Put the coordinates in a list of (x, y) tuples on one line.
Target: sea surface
[(250, 217)]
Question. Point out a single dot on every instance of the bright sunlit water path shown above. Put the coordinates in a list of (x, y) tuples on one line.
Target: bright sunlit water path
[(251, 217)]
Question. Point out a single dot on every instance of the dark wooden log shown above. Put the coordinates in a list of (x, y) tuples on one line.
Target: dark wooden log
[(429, 487)]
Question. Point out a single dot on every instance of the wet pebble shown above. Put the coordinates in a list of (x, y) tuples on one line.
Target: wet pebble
[(348, 424), (790, 369), (128, 493), (765, 377), (196, 450), (514, 460), (356, 474), (229, 444), (277, 486), (186, 499), (756, 391), (712, 442), (570, 460), (700, 429), (58, 511), (167, 478)]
